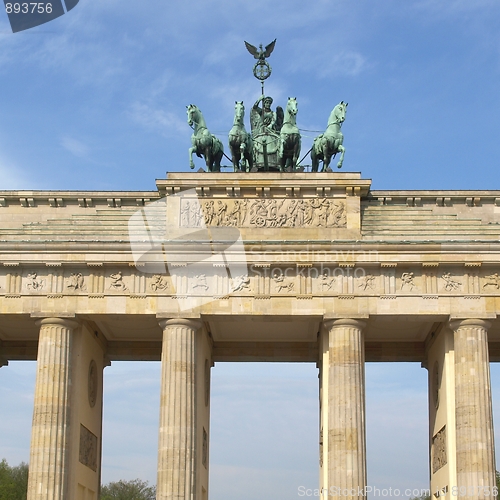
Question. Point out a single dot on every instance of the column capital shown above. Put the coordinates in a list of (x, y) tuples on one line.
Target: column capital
[(455, 324), (66, 322), (190, 323), (343, 322)]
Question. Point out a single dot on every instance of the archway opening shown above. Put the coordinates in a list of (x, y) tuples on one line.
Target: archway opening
[(264, 430)]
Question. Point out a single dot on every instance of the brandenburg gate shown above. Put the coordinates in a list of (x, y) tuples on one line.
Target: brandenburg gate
[(293, 267)]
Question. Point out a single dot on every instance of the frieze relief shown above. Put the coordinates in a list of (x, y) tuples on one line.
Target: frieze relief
[(260, 280), (439, 456), (76, 282), (88, 448), (260, 213), (34, 282)]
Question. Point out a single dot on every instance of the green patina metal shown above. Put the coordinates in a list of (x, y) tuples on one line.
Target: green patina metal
[(275, 140)]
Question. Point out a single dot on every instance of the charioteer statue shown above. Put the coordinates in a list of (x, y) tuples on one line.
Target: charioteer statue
[(266, 126)]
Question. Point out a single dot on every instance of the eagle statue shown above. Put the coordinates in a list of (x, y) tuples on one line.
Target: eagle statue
[(260, 53)]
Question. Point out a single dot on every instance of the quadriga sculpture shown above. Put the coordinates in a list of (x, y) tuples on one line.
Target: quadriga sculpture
[(330, 142), (240, 141), (203, 142)]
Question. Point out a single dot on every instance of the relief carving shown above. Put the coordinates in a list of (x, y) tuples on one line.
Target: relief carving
[(117, 282), (435, 385), (493, 280), (33, 282), (315, 212), (327, 281), (407, 281), (282, 284), (241, 283), (76, 281), (204, 450), (158, 283), (451, 284), (92, 383), (88, 448), (200, 282), (439, 458), (367, 282)]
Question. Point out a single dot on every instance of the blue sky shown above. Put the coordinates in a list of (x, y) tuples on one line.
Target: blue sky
[(96, 100)]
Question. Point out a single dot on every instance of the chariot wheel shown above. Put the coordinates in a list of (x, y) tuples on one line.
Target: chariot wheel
[(260, 222)]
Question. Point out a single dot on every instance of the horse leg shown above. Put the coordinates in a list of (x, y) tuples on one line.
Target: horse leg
[(296, 153), (217, 159), (191, 151), (207, 154), (341, 161), (243, 165), (314, 161), (235, 158), (249, 159), (249, 152), (235, 152), (281, 160), (327, 157)]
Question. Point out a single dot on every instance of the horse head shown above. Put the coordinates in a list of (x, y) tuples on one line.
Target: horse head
[(239, 111), (191, 114), (291, 106), (339, 112)]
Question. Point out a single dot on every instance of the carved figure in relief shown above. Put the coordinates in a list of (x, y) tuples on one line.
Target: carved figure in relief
[(75, 281), (158, 282), (258, 213), (185, 214), (241, 282), (201, 282), (439, 457), (326, 281), (367, 282), (451, 284), (407, 281), (117, 282), (34, 283), (237, 215), (493, 280), (197, 215), (209, 212), (243, 208), (281, 284), (264, 212), (320, 212), (337, 216), (221, 213)]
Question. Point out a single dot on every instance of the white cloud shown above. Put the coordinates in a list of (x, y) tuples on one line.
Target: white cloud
[(163, 122), (12, 176), (74, 146), (326, 57)]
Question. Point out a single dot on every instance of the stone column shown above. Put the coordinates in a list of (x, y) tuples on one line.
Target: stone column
[(346, 408), (177, 439), (48, 474), (474, 418)]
